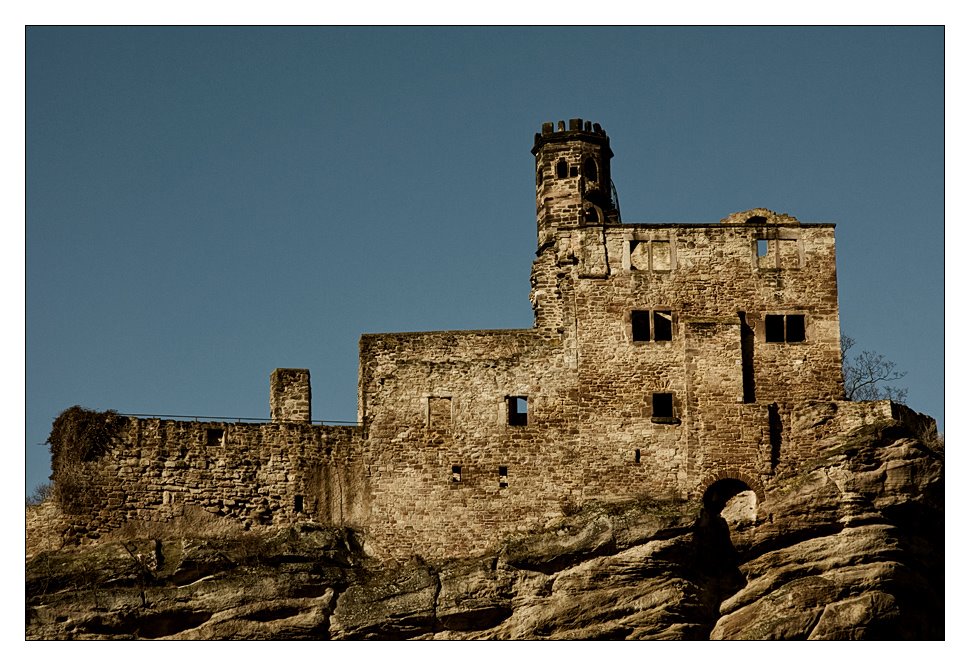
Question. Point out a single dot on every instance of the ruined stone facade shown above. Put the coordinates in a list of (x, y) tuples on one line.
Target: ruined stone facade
[(663, 357)]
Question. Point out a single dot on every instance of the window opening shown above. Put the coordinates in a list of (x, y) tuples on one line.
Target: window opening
[(573, 171), (639, 255), (785, 328), (636, 456), (774, 328), (518, 410), (747, 359), (662, 325), (589, 169), (640, 319), (539, 176), (298, 504), (561, 168), (660, 253), (456, 473), (663, 405), (215, 436), (762, 247), (503, 477)]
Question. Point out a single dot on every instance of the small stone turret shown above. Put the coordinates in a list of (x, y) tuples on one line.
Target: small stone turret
[(573, 185), (289, 395)]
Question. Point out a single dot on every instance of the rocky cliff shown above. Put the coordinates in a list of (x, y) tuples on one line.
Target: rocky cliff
[(850, 546)]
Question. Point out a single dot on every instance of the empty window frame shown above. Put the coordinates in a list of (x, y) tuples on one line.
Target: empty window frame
[(518, 410), (589, 169), (456, 473), (785, 328), (652, 325), (561, 168), (503, 477), (650, 255), (663, 408), (775, 253), (215, 436)]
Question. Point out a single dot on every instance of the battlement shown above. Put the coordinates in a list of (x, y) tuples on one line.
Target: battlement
[(578, 129)]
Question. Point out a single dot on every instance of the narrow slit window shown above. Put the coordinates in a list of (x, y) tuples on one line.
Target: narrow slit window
[(662, 325), (456, 473), (298, 504), (636, 456), (518, 407), (215, 436), (503, 477)]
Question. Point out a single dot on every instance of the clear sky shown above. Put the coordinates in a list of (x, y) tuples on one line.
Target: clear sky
[(207, 204)]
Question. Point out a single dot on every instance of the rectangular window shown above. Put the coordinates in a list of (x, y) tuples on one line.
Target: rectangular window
[(298, 504), (650, 255), (785, 328), (663, 409), (456, 473), (518, 407), (660, 322), (662, 325), (762, 247), (215, 436), (503, 477), (636, 456), (640, 320), (663, 405)]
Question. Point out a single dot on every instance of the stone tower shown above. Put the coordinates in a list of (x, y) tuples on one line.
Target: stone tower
[(573, 185)]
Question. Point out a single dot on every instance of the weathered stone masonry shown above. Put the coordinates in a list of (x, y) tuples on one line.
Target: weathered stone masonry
[(663, 357)]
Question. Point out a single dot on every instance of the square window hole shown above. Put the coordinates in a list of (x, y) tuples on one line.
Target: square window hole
[(215, 436)]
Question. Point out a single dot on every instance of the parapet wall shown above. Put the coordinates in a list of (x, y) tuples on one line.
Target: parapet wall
[(266, 474)]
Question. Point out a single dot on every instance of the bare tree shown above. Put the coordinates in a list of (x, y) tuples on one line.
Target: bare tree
[(868, 375)]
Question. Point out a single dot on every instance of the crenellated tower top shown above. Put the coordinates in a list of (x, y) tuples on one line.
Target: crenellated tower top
[(573, 184)]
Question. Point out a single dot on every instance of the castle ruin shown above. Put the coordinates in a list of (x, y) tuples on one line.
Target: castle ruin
[(663, 358)]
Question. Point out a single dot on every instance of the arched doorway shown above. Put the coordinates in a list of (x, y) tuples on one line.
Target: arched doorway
[(733, 500)]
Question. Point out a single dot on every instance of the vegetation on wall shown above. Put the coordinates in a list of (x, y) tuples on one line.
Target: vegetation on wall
[(869, 376), (78, 437)]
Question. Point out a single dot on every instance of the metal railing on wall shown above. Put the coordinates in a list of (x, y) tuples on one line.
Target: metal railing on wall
[(235, 419)]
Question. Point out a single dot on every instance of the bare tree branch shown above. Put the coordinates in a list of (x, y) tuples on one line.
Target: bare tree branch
[(868, 375)]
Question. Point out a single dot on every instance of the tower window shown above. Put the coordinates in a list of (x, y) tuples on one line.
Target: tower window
[(503, 477), (518, 409), (215, 436), (561, 168), (456, 473), (589, 169), (298, 504), (785, 328), (663, 408), (640, 321), (538, 176), (662, 325)]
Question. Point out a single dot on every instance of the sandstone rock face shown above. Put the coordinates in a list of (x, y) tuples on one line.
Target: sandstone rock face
[(848, 547)]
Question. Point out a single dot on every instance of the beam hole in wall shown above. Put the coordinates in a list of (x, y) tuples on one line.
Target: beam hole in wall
[(518, 409), (215, 436), (503, 477), (456, 473)]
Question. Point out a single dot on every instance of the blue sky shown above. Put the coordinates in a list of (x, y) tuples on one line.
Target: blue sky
[(207, 204)]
